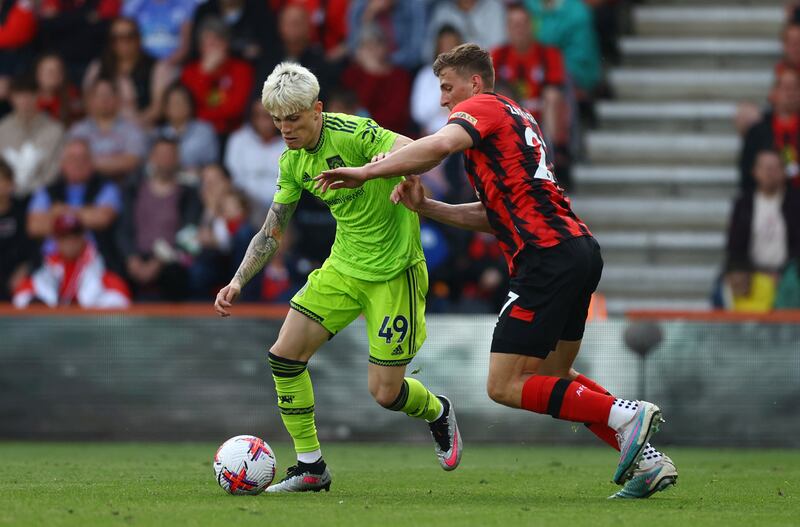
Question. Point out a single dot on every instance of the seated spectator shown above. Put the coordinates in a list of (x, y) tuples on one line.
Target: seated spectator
[(80, 191), (536, 73), (118, 144), (17, 31), (74, 29), (296, 45), (479, 21), (382, 88), (139, 79), (16, 249), (252, 157), (220, 83), (425, 108), (764, 232), (223, 240), (779, 129), (73, 275), (328, 23), (56, 95), (165, 26), (402, 24), (157, 230), (345, 101), (568, 26), (250, 24), (198, 141), (29, 139)]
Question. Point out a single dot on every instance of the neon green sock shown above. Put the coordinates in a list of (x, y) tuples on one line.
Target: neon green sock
[(417, 401), (295, 401)]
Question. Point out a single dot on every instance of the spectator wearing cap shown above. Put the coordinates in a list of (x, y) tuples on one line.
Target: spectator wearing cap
[(252, 157), (118, 144), (382, 88), (78, 190), (779, 130), (74, 274), (220, 83), (403, 25), (198, 141), (156, 231), (29, 139), (16, 249)]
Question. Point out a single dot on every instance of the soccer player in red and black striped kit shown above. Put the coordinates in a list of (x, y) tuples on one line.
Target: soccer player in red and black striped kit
[(554, 262)]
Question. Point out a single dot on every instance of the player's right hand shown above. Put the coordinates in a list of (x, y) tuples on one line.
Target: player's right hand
[(225, 298), (410, 193), (377, 157)]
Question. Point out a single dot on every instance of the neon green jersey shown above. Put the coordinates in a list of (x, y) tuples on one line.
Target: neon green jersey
[(375, 239)]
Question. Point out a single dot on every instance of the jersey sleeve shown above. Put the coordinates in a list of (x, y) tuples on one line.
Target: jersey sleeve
[(289, 189), (478, 116), (373, 139)]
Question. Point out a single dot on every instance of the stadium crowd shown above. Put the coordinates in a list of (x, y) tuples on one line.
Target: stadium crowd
[(761, 270), (136, 160)]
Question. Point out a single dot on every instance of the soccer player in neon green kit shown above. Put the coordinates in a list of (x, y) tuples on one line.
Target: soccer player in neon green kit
[(376, 267)]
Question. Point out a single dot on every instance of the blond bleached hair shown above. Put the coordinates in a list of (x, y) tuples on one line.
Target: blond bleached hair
[(289, 89)]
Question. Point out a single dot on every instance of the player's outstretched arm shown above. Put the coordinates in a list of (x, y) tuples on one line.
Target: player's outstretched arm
[(415, 158), (260, 251), (470, 216)]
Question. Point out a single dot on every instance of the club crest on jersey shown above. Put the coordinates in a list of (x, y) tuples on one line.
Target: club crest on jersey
[(467, 117), (335, 162)]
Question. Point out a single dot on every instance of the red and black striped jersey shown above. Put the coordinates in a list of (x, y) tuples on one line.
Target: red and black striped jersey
[(507, 165)]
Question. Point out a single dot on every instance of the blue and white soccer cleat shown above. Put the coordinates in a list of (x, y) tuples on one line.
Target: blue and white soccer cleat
[(633, 437), (647, 481)]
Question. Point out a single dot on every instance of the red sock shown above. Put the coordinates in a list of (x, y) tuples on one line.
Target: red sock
[(601, 430), (565, 399)]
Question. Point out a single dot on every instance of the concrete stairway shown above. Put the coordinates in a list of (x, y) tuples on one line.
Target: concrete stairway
[(661, 168)]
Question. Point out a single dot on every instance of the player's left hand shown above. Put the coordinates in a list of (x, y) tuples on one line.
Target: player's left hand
[(345, 177)]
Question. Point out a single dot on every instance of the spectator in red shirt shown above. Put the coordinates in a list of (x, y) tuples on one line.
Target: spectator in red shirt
[(328, 23), (383, 89), (56, 95), (778, 130), (536, 72), (537, 75), (17, 30), (220, 84)]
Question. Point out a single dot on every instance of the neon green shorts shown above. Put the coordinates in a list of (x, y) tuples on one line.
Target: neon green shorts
[(394, 309)]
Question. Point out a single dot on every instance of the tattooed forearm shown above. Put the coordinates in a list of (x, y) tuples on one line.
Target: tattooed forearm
[(265, 243)]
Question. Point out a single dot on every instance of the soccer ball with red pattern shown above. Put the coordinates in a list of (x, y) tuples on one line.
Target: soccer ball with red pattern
[(244, 465)]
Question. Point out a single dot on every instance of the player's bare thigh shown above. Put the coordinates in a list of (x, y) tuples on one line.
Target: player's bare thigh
[(507, 375), (384, 383), (299, 337), (559, 362)]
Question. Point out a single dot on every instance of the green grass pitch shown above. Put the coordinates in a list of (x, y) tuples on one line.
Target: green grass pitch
[(101, 484)]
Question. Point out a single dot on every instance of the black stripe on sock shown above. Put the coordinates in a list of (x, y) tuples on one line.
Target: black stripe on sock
[(401, 399), (296, 411), (283, 367), (557, 397)]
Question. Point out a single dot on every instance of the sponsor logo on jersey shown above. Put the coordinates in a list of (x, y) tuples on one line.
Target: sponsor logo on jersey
[(467, 117), (344, 199)]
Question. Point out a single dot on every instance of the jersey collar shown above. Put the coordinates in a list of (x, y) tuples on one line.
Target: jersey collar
[(321, 140)]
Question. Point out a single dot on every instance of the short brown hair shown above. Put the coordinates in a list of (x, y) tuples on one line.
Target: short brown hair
[(468, 59)]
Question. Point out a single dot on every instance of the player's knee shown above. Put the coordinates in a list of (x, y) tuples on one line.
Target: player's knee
[(497, 391), (385, 395), (286, 352)]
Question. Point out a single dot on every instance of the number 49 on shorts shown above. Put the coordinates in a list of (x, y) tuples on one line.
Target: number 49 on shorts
[(399, 325)]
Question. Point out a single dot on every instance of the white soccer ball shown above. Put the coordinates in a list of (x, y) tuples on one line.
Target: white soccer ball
[(244, 465)]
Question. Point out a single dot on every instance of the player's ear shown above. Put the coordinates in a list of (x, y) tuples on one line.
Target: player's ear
[(317, 109), (477, 84)]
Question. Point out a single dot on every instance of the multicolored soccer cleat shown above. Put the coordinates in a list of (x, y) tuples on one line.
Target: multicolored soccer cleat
[(446, 437), (646, 482), (634, 436), (303, 478)]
